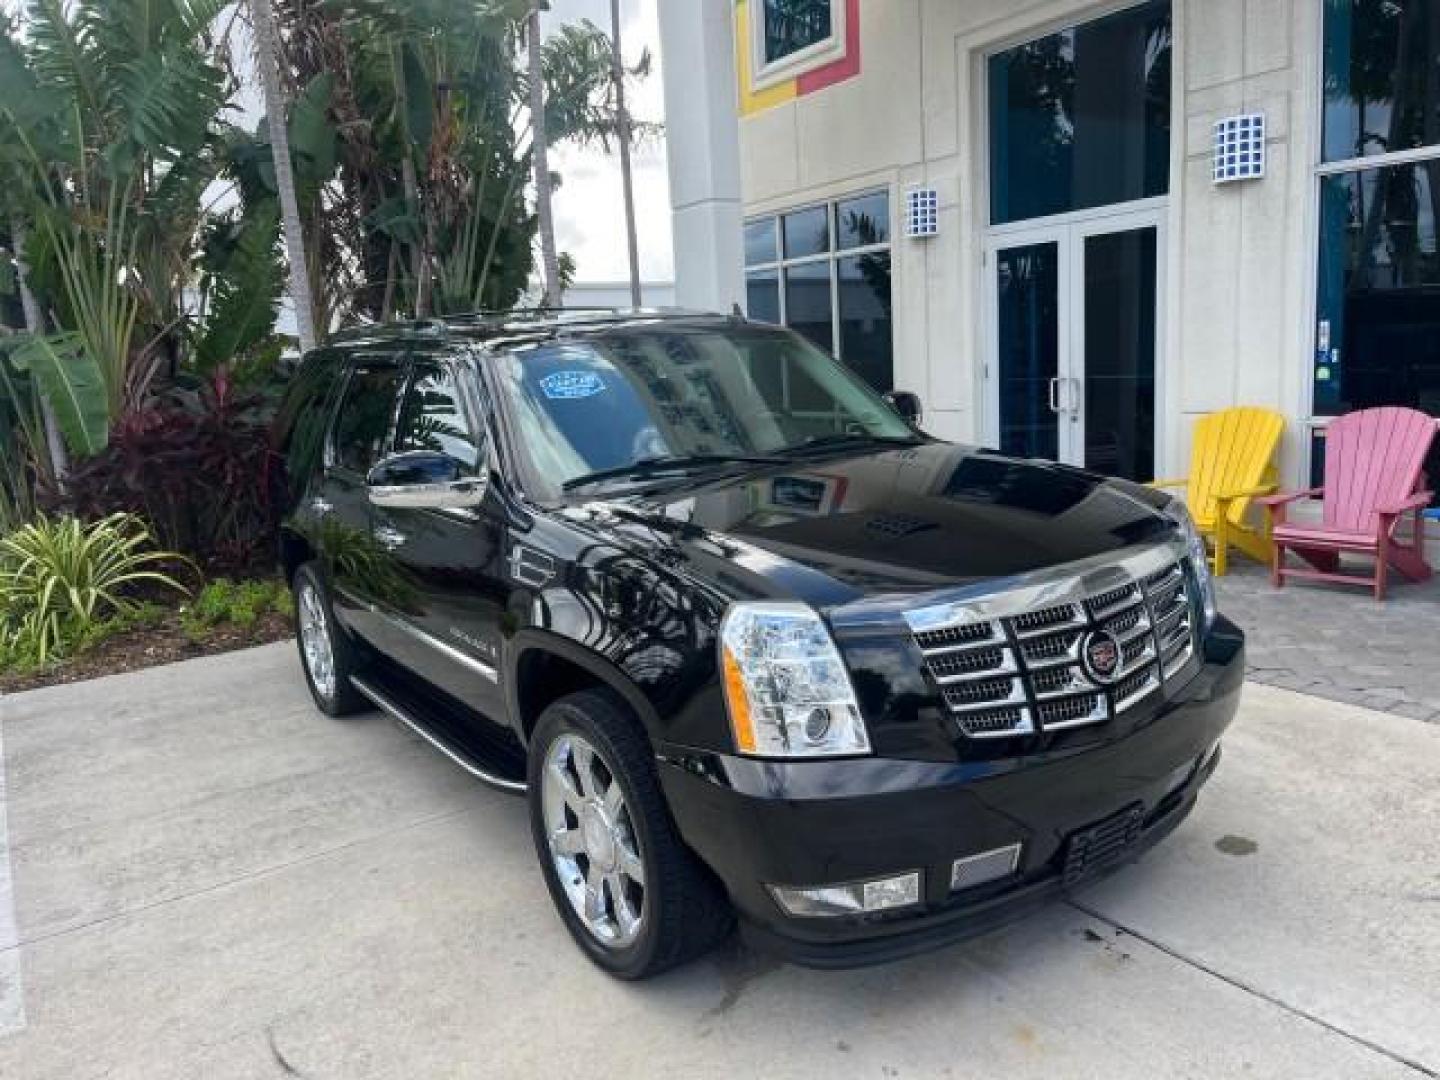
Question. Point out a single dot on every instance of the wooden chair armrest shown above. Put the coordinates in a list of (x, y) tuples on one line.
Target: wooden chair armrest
[(1180, 482), (1247, 493), (1417, 501), (1285, 497)]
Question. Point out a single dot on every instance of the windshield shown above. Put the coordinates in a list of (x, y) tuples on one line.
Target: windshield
[(611, 400)]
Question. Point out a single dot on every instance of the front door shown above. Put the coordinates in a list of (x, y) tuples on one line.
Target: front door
[(449, 563), (1074, 341)]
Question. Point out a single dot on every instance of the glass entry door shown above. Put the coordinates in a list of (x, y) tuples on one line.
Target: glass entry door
[(1074, 340)]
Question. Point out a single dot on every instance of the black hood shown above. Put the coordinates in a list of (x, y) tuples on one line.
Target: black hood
[(911, 519)]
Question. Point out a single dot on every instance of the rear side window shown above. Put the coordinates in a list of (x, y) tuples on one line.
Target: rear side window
[(366, 413), (299, 430), (432, 418)]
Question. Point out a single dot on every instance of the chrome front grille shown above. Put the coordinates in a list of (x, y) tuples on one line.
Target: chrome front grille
[(1011, 664), (1052, 648), (1033, 623), (952, 636), (950, 667)]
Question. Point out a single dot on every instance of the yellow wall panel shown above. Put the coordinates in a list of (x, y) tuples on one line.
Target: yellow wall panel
[(754, 101)]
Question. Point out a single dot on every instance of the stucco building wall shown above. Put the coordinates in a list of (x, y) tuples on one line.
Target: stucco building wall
[(1238, 260)]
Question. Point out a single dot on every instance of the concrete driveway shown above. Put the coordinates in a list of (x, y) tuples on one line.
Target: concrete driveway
[(212, 880)]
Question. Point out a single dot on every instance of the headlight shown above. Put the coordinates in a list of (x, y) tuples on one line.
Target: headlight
[(786, 688), (1199, 557)]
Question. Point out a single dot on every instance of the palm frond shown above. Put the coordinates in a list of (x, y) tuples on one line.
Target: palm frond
[(244, 292)]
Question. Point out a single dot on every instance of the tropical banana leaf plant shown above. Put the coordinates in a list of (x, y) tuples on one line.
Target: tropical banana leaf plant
[(109, 129), (65, 371)]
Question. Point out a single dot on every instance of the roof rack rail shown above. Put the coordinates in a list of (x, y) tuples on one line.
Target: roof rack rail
[(435, 326), (502, 319), (528, 314)]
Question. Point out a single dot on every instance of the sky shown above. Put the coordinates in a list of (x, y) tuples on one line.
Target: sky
[(589, 222)]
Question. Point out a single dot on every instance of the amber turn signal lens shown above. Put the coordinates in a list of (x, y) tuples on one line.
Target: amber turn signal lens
[(738, 704)]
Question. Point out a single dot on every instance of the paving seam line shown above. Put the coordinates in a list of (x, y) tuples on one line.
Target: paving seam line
[(1254, 991), (15, 945)]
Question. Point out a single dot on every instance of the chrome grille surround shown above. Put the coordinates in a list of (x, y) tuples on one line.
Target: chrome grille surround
[(1008, 662)]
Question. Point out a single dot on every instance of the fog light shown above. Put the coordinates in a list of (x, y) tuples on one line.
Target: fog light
[(857, 898), (988, 866)]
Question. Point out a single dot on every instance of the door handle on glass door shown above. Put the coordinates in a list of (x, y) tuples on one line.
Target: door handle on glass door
[(1055, 395), (1076, 389)]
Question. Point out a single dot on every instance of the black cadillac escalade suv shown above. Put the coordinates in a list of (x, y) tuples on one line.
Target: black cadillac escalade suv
[(749, 643)]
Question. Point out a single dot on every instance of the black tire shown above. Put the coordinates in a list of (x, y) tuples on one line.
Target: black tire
[(685, 911), (344, 699)]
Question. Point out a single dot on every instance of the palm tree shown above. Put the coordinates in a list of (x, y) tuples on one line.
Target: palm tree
[(585, 82), (622, 136), (267, 47), (422, 201), (540, 157)]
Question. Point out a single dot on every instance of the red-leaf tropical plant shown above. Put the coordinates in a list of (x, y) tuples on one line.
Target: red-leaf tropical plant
[(193, 465)]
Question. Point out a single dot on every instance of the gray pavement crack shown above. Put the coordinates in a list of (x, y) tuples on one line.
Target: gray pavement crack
[(1417, 1067)]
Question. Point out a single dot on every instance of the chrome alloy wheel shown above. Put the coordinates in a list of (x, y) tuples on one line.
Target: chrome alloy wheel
[(315, 641), (593, 842)]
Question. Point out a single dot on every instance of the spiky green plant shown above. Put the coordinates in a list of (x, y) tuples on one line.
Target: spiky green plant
[(59, 577)]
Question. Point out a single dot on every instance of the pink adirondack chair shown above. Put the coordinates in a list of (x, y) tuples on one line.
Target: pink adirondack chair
[(1374, 462)]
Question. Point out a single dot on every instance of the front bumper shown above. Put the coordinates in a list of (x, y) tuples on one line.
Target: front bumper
[(811, 823)]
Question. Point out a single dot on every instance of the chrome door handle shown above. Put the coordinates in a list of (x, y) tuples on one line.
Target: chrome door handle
[(1076, 389), (1055, 394), (388, 538)]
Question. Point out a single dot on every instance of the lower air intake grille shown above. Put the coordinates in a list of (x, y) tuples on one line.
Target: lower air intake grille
[(1102, 845)]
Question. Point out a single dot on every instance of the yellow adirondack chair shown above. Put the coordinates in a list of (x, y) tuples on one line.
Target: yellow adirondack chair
[(1232, 462)]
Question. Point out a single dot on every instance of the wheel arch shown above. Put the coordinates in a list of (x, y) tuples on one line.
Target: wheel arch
[(544, 668), (295, 552)]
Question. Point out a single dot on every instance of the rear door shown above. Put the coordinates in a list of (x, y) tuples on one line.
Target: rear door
[(450, 561), (361, 571)]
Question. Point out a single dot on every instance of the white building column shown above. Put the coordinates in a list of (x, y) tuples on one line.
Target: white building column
[(702, 138)]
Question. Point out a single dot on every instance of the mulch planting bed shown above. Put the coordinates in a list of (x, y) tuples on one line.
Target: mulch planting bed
[(149, 646)]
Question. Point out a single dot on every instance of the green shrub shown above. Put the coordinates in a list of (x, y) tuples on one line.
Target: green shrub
[(61, 581), (241, 604), (212, 604)]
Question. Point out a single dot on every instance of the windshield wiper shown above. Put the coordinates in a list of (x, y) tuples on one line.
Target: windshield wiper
[(842, 440), (651, 466)]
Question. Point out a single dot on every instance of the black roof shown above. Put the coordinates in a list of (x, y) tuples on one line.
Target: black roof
[(520, 325)]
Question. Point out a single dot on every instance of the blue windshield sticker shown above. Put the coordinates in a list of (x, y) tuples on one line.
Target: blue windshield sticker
[(567, 385)]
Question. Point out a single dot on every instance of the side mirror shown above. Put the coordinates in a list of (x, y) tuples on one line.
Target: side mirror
[(906, 404), (423, 480)]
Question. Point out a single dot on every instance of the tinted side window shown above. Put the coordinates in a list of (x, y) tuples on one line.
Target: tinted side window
[(432, 419), (365, 416), (299, 431)]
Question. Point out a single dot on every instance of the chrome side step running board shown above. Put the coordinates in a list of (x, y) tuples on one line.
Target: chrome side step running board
[(388, 706)]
